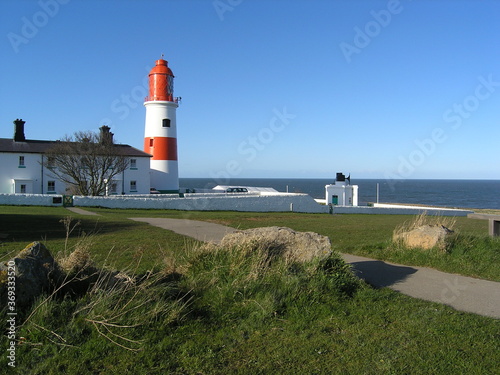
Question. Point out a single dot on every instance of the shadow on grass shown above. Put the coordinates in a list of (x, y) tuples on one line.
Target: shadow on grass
[(380, 274), (28, 228)]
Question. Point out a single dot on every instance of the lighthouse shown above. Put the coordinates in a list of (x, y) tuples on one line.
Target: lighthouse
[(160, 130)]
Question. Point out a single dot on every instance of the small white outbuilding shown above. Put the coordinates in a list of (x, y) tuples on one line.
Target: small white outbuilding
[(341, 192)]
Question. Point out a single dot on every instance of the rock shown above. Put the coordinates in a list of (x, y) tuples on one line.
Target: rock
[(281, 241), (424, 237), (35, 272), (83, 276)]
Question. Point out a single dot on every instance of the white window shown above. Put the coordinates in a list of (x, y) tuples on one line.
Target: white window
[(21, 162), (23, 189), (133, 163), (114, 186), (50, 162), (51, 186), (133, 186)]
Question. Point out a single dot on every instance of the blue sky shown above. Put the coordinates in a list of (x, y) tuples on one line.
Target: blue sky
[(274, 88)]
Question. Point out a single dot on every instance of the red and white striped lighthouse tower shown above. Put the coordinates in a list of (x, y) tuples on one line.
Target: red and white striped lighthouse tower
[(160, 133)]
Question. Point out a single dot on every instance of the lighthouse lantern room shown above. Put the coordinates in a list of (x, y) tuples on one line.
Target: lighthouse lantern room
[(160, 133)]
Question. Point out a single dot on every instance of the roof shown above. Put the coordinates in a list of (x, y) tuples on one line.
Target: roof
[(39, 147), (250, 189)]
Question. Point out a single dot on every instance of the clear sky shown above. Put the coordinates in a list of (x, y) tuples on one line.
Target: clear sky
[(270, 88)]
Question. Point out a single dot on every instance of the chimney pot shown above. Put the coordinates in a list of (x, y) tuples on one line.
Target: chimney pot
[(19, 130), (106, 136)]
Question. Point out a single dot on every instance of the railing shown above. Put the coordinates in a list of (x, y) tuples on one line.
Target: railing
[(175, 99)]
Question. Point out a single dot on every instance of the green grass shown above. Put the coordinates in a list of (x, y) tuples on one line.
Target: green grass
[(228, 312), (473, 254)]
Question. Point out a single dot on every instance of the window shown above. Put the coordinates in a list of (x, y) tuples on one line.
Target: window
[(51, 186), (50, 162), (133, 186), (21, 162), (23, 189), (166, 123), (133, 163), (151, 142), (113, 188)]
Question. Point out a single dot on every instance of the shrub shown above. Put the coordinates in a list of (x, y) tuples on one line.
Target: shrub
[(238, 282)]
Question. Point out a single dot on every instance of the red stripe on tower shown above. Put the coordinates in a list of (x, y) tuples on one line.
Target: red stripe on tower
[(161, 148)]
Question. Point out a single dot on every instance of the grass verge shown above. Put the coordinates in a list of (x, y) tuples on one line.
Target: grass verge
[(197, 310)]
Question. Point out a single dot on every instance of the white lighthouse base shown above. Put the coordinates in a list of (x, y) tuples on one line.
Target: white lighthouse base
[(165, 176)]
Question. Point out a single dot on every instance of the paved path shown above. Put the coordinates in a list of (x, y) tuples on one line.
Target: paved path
[(462, 293), (77, 210), (200, 230)]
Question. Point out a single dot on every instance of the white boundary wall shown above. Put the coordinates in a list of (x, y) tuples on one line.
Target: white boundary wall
[(208, 202), (30, 199), (246, 202), (399, 210)]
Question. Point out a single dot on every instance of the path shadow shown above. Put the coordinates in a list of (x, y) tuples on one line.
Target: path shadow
[(380, 274)]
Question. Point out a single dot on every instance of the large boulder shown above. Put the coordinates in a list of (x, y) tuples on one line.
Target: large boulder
[(424, 237), (281, 241), (35, 272)]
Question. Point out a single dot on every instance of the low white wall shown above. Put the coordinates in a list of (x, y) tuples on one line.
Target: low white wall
[(266, 202), (394, 210), (226, 202), (29, 199)]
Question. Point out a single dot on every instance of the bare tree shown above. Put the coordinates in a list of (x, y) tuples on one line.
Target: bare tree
[(87, 161)]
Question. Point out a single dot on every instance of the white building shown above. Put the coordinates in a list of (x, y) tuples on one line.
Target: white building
[(341, 192), (22, 169)]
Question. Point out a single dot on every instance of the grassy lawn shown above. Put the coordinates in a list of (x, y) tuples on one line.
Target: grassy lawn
[(475, 254), (201, 312)]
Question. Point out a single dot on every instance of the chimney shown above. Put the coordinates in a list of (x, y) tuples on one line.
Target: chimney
[(105, 136), (19, 130)]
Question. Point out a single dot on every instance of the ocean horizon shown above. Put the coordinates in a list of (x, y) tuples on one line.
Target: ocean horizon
[(462, 193)]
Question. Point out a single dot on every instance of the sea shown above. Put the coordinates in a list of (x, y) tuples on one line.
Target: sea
[(442, 193)]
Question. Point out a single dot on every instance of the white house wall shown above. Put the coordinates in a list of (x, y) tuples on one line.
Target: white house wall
[(140, 174), (11, 172), (36, 177), (347, 194)]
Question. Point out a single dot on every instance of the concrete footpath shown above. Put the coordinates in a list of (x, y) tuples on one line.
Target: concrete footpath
[(79, 211), (460, 292)]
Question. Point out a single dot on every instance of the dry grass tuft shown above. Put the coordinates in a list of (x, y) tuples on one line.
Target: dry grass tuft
[(418, 221), (79, 259)]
